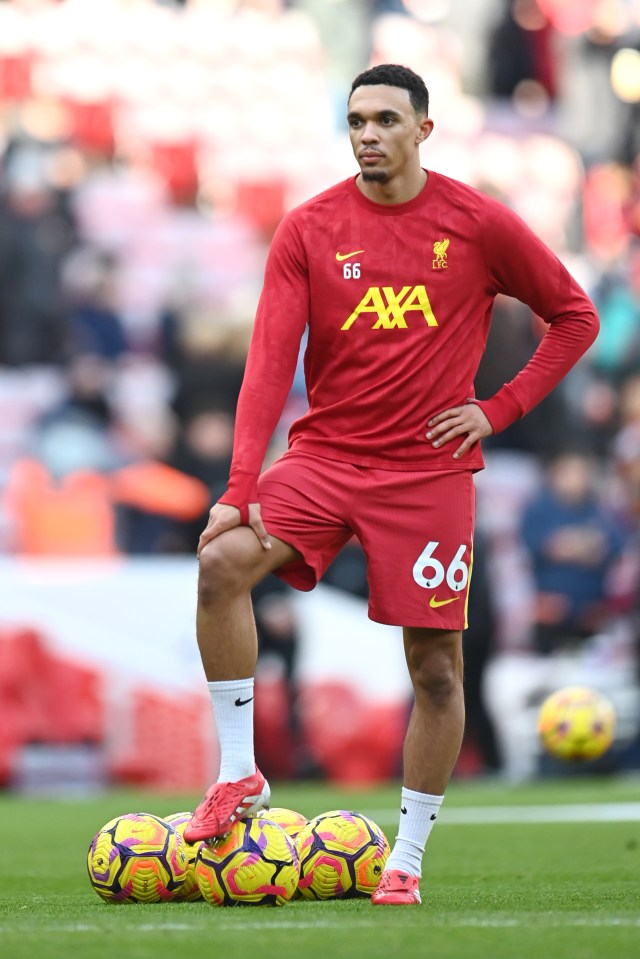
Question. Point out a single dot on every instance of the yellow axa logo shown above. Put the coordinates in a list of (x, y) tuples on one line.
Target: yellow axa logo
[(440, 250), (389, 306)]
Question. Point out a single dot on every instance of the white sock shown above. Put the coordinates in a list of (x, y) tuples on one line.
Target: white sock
[(232, 702), (418, 812)]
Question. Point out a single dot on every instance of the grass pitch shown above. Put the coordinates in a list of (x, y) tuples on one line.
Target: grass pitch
[(509, 874)]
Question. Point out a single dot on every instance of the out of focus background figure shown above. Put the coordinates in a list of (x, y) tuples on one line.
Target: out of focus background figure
[(573, 542)]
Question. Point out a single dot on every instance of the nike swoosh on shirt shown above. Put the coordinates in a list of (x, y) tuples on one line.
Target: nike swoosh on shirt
[(345, 256), (434, 603)]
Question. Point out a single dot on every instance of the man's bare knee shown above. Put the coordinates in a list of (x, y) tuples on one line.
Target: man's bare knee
[(434, 659), (226, 568), (234, 562)]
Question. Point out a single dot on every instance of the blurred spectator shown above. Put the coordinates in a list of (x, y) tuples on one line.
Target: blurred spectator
[(35, 236), (203, 450), (154, 501), (207, 357), (626, 448), (95, 324), (84, 490), (616, 352), (513, 337), (71, 515), (74, 435), (574, 543), (88, 378), (520, 51)]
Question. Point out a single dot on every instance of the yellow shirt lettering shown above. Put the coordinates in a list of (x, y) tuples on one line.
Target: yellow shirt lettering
[(390, 307)]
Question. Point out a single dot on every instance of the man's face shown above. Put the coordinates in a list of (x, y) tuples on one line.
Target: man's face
[(384, 130)]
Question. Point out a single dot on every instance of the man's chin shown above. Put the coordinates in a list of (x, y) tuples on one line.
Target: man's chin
[(374, 176)]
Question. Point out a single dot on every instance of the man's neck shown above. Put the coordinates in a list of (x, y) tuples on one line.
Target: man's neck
[(394, 191)]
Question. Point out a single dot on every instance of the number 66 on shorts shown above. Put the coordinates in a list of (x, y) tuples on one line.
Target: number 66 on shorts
[(429, 572), (439, 573)]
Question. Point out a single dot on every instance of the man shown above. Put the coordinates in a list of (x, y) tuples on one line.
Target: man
[(394, 272)]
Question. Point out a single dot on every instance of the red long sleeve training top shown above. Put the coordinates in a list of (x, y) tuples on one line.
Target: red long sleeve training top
[(398, 303)]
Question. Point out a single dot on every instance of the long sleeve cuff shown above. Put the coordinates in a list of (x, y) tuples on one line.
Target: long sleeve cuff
[(242, 489), (501, 410)]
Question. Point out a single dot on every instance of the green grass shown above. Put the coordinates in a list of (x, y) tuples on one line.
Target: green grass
[(500, 891)]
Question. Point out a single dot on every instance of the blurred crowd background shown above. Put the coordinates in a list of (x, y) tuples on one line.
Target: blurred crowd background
[(148, 151)]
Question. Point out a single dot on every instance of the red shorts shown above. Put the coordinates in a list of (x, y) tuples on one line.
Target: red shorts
[(416, 530)]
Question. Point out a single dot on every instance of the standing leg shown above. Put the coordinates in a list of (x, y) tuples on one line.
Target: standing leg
[(230, 566), (431, 748), (434, 736)]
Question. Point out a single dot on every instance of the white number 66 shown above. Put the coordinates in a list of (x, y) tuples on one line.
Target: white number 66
[(351, 270), (429, 572)]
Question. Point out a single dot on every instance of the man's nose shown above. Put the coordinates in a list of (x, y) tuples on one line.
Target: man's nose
[(369, 133)]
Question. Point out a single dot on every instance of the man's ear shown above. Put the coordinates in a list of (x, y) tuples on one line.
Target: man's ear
[(426, 128)]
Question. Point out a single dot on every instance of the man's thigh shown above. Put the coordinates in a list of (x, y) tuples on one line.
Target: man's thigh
[(417, 532), (305, 502)]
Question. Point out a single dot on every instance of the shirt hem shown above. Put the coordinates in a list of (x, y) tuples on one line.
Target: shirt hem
[(402, 464)]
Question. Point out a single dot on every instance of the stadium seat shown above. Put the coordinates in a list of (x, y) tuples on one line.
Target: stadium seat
[(15, 77), (73, 698), (167, 744), (175, 163), (355, 741), (92, 125), (47, 699), (262, 203)]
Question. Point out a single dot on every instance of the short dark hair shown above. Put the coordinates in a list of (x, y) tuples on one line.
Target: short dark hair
[(394, 75)]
